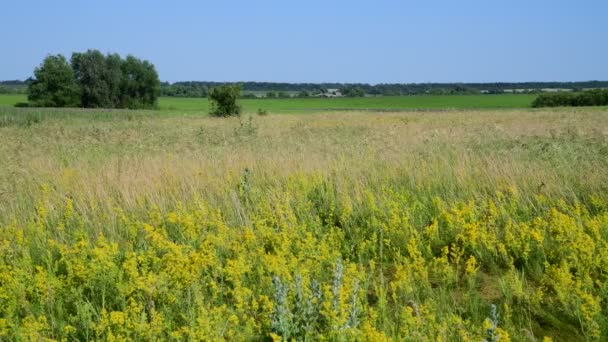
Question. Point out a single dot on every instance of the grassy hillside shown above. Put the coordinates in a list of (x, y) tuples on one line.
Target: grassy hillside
[(388, 103), (456, 225)]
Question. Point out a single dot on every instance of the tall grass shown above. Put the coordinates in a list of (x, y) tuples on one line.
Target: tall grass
[(453, 225)]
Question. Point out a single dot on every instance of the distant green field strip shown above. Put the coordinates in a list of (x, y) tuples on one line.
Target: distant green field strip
[(389, 103), (368, 103), (11, 100)]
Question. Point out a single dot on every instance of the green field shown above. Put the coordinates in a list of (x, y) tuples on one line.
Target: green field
[(7, 100), (385, 103)]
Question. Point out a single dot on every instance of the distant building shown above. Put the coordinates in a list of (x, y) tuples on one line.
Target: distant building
[(331, 93)]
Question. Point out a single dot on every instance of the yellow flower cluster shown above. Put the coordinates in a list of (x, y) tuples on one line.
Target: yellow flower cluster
[(309, 260)]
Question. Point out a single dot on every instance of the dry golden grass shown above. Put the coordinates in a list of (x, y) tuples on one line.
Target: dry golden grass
[(164, 159)]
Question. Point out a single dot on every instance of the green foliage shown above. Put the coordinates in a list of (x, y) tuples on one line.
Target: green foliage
[(98, 77), (183, 89), (353, 91), (596, 97), (55, 85), (369, 272), (223, 100), (95, 81), (140, 85)]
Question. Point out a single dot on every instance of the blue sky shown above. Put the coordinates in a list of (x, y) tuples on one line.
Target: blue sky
[(377, 41)]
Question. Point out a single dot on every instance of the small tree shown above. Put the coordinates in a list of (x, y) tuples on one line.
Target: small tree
[(223, 100), (54, 84)]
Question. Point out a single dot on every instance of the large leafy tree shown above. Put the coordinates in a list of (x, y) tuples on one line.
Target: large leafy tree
[(54, 84), (98, 77), (93, 80)]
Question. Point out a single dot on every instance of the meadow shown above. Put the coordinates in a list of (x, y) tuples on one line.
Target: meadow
[(451, 225), (308, 105), (383, 103)]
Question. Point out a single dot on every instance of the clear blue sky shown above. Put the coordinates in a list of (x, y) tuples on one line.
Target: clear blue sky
[(316, 41)]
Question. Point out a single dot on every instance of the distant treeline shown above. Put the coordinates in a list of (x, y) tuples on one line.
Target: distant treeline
[(200, 89), (597, 97), (273, 89), (13, 87)]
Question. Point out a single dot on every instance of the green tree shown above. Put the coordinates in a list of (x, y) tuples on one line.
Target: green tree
[(223, 100), (98, 77), (54, 84), (140, 85)]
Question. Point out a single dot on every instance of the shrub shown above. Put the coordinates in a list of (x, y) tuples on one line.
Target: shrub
[(596, 97), (223, 100)]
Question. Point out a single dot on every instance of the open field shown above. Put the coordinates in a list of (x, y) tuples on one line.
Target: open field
[(9, 100), (451, 225), (388, 103), (385, 103)]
